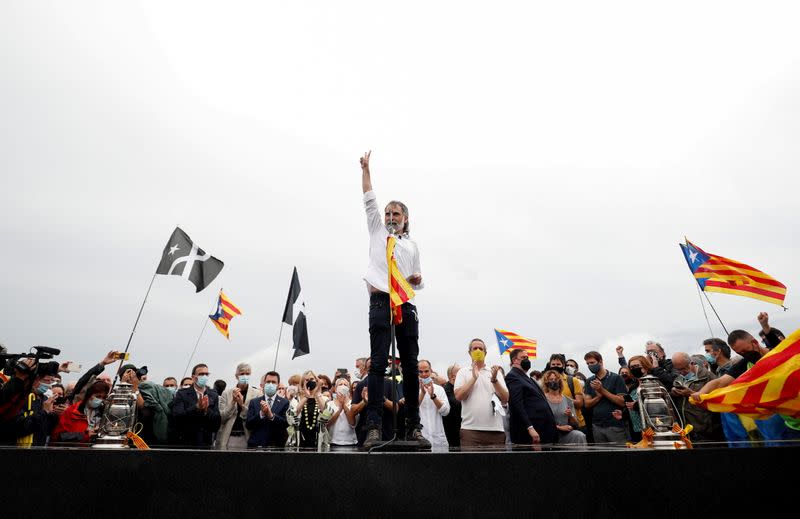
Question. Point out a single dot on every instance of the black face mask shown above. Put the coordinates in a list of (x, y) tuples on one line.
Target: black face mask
[(557, 368), (751, 356), (525, 364), (637, 372), (553, 384), (626, 378)]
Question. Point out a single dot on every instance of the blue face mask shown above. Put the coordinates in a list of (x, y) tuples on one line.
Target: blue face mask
[(244, 380), (42, 388), (690, 376), (173, 390), (710, 358), (270, 389), (202, 380), (594, 368), (94, 402), (427, 380)]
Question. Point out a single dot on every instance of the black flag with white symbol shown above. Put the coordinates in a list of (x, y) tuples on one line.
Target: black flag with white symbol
[(300, 336), (295, 306), (181, 257), (294, 294)]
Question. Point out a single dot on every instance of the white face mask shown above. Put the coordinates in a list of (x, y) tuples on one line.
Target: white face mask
[(343, 390), (570, 370)]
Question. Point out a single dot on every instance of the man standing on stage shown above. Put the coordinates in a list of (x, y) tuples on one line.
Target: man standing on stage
[(395, 218)]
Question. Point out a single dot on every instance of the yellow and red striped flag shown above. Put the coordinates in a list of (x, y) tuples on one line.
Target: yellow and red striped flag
[(507, 341), (226, 311), (717, 274), (400, 290), (771, 386)]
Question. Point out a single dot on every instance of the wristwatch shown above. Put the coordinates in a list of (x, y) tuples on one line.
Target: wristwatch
[(433, 396)]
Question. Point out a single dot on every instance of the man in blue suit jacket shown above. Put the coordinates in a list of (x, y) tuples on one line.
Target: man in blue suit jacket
[(266, 416), (195, 411), (531, 419)]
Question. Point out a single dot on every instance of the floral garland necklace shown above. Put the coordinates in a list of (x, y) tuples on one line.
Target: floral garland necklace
[(306, 412)]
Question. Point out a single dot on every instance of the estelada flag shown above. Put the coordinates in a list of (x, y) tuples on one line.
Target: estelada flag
[(507, 341), (717, 274), (400, 289), (771, 386), (226, 311)]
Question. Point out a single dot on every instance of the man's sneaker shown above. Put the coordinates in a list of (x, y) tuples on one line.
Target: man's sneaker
[(373, 438), (415, 435)]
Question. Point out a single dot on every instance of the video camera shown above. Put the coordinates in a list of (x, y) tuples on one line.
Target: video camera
[(13, 361)]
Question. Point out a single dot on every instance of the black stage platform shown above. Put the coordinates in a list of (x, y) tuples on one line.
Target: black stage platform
[(183, 484)]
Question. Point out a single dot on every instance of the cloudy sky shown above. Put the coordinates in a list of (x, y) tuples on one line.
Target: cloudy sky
[(552, 156)]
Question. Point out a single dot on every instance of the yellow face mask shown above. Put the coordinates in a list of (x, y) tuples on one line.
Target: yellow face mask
[(477, 355)]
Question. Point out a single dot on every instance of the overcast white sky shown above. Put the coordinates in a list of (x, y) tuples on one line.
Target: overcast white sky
[(552, 156)]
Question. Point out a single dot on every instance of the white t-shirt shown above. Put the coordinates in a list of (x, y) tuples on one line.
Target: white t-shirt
[(342, 433), (431, 418), (406, 252), (477, 412)]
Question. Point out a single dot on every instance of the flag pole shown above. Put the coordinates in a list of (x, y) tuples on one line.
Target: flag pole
[(703, 306), (205, 323), (135, 324), (715, 313), (277, 348)]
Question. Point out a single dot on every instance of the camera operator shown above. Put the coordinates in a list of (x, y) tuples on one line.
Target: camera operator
[(26, 403)]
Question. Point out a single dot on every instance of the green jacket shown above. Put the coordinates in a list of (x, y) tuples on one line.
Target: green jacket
[(157, 398)]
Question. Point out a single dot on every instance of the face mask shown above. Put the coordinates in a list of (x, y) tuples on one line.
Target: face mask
[(173, 390), (525, 365), (48, 394), (270, 389), (690, 376), (95, 402), (202, 380), (477, 355), (311, 385), (626, 377), (594, 368), (637, 372), (710, 358), (570, 370), (42, 388), (751, 356), (343, 390), (557, 368), (427, 380), (552, 384), (244, 380)]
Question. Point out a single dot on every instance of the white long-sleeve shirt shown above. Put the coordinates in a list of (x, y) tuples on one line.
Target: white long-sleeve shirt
[(431, 418), (406, 252)]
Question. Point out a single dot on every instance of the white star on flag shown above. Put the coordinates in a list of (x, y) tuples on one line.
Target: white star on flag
[(173, 249)]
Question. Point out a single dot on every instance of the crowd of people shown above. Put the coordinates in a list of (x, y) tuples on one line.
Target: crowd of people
[(461, 407)]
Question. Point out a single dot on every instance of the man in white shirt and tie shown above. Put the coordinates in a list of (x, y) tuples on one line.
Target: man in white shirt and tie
[(395, 219)]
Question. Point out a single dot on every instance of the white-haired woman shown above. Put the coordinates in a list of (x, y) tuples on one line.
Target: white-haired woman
[(342, 424)]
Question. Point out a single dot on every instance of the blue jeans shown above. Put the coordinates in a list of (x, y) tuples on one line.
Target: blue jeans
[(407, 334)]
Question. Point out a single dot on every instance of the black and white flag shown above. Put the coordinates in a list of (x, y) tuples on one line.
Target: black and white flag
[(181, 257), (295, 305)]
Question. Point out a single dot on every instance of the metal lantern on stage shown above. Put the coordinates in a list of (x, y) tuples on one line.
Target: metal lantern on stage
[(119, 418), (660, 417)]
